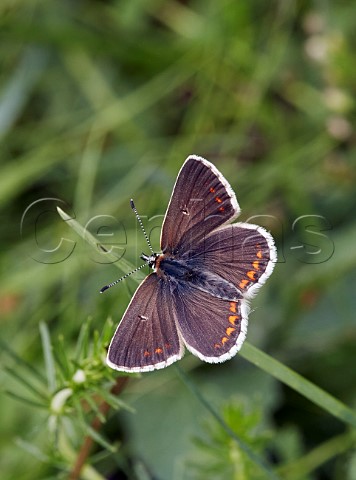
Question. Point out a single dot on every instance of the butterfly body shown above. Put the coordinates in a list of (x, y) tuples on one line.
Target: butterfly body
[(198, 294), (179, 272)]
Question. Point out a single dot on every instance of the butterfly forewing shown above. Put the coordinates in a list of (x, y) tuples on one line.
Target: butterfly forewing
[(147, 337), (202, 200)]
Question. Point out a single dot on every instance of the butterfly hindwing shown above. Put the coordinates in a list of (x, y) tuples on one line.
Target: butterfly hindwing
[(202, 200), (147, 337), (212, 329)]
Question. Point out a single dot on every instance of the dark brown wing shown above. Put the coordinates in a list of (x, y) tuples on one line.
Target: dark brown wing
[(147, 337), (202, 200), (242, 253), (212, 329)]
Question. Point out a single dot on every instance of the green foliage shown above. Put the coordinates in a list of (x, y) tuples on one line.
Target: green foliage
[(70, 393), (218, 456), (101, 101)]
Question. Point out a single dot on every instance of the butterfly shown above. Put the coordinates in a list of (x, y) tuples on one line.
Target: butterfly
[(208, 269)]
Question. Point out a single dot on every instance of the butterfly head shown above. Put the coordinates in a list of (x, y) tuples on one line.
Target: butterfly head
[(151, 260)]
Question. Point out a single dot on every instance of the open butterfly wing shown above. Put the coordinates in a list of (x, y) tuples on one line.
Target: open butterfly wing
[(241, 253), (147, 337), (202, 200), (212, 329)]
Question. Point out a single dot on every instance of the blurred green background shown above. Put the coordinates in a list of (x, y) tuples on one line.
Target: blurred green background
[(101, 101)]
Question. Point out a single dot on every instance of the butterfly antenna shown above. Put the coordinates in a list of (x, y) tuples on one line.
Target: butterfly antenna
[(122, 278), (141, 225)]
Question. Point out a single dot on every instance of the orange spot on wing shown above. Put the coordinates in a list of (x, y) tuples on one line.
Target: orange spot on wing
[(221, 209), (259, 254), (224, 340), (233, 319), (251, 274), (217, 345), (218, 199), (256, 264), (233, 307), (229, 330), (212, 190), (158, 350), (243, 283), (147, 353)]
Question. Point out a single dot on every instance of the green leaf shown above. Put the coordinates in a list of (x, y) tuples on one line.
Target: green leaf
[(94, 407), (115, 401), (100, 439)]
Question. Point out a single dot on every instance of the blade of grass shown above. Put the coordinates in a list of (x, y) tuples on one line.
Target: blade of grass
[(22, 362), (48, 357), (97, 345), (24, 381), (106, 332), (19, 87), (62, 361), (28, 401), (32, 450), (298, 383), (82, 346), (122, 265), (323, 453)]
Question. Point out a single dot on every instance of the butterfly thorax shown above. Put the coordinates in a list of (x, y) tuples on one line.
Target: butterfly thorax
[(184, 273)]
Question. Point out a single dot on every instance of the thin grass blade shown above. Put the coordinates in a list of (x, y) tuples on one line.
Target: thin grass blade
[(48, 357), (27, 401), (25, 382), (20, 361), (298, 383), (122, 265)]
